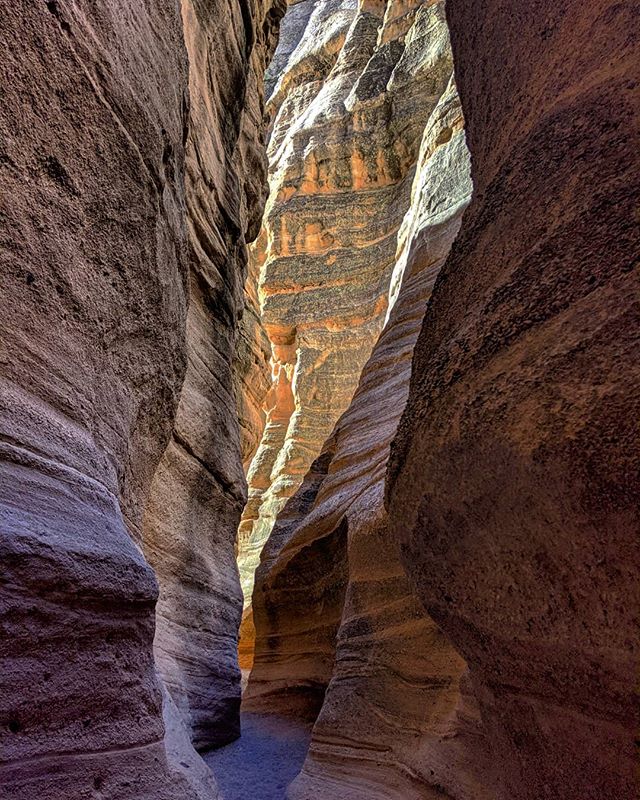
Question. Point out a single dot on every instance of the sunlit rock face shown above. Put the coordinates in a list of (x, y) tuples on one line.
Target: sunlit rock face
[(252, 369), (513, 482), (199, 489), (102, 243), (351, 89), (338, 627)]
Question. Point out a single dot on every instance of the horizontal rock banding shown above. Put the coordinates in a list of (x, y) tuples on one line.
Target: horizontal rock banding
[(337, 625), (93, 355), (351, 91)]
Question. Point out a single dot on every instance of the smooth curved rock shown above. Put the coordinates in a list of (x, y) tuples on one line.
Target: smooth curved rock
[(93, 343), (199, 489), (513, 483), (96, 233)]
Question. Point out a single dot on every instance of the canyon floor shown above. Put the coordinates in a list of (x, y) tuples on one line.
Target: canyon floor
[(263, 761)]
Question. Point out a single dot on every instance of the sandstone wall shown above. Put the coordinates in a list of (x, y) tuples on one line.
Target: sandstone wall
[(96, 250), (352, 87), (199, 489), (252, 370), (338, 628), (513, 483)]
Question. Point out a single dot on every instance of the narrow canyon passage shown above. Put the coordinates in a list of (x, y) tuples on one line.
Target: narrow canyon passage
[(319, 400), (262, 763)]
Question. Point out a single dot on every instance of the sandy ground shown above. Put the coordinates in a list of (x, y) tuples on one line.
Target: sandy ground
[(263, 761)]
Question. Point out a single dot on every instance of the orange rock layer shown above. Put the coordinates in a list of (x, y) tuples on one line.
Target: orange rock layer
[(351, 92), (339, 633), (472, 633)]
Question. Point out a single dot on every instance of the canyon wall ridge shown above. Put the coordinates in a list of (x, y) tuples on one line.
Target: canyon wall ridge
[(427, 364), (199, 488)]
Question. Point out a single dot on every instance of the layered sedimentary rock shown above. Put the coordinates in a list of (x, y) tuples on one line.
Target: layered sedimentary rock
[(95, 252), (199, 489), (332, 604), (513, 483), (351, 90), (252, 370)]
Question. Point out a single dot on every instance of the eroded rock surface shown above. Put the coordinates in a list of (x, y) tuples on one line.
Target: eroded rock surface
[(338, 627), (351, 89), (199, 489), (252, 369), (93, 355), (100, 247), (513, 483)]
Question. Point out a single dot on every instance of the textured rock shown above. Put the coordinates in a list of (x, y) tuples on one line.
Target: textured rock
[(94, 267), (332, 604), (513, 483), (95, 273), (195, 778), (252, 371), (199, 489), (351, 91)]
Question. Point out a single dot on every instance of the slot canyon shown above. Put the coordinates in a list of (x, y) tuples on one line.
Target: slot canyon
[(320, 400)]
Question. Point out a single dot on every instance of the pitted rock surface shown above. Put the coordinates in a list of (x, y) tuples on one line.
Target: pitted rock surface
[(513, 482)]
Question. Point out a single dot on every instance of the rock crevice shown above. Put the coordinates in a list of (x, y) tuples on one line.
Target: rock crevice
[(433, 390)]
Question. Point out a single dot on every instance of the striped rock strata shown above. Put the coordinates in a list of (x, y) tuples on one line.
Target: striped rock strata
[(352, 87), (338, 627)]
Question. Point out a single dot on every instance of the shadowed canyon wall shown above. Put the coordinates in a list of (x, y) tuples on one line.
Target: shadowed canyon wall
[(451, 592), (102, 243), (338, 628), (351, 88), (199, 489), (513, 483)]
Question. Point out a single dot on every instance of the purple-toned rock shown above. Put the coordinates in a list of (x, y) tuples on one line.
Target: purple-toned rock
[(99, 252)]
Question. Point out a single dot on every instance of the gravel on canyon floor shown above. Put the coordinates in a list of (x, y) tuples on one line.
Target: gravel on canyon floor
[(263, 761)]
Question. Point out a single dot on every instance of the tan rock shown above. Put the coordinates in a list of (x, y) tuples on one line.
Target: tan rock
[(252, 370), (351, 91)]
